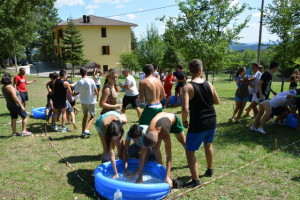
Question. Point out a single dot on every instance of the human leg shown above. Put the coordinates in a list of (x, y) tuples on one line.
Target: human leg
[(181, 138), (120, 146), (241, 109), (209, 155), (104, 156), (237, 107), (13, 124)]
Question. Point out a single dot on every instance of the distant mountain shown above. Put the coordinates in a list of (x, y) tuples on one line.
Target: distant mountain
[(251, 46)]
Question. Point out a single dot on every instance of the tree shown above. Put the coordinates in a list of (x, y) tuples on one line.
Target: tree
[(72, 51), (204, 30), (151, 48), (133, 40), (130, 61), (283, 19)]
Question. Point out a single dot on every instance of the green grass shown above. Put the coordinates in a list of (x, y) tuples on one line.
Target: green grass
[(31, 169)]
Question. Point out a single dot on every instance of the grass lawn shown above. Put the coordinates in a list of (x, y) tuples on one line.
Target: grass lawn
[(31, 169)]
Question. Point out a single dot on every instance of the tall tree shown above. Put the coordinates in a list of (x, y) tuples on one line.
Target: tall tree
[(130, 61), (151, 48), (133, 40), (72, 49), (205, 28), (283, 19)]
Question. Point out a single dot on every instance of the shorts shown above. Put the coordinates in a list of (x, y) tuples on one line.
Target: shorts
[(194, 140), (72, 103), (134, 152), (278, 111), (177, 127), (250, 97), (88, 108), (245, 99), (168, 92), (59, 105), (16, 111), (133, 100), (255, 99), (178, 86), (148, 114), (98, 86), (69, 107), (24, 96)]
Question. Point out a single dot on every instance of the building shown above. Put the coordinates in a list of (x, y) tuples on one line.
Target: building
[(104, 39)]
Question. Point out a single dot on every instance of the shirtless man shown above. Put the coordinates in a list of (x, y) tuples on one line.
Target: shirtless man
[(159, 130), (151, 91)]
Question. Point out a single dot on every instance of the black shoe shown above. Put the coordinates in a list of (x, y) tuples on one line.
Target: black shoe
[(177, 184), (209, 172), (192, 184)]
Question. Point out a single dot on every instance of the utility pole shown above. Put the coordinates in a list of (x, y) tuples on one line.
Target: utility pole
[(15, 56), (260, 31)]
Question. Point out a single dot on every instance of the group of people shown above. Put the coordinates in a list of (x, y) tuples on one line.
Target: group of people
[(256, 88)]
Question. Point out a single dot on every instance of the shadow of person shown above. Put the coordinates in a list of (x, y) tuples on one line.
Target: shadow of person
[(82, 158), (86, 187)]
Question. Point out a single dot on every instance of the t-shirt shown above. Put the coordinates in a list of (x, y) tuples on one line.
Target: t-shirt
[(86, 88), (280, 101), (179, 75), (266, 86), (168, 82), (20, 81), (130, 81), (97, 79), (289, 92), (257, 77), (140, 140)]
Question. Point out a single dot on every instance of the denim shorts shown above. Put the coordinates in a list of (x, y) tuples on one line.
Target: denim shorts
[(245, 99)]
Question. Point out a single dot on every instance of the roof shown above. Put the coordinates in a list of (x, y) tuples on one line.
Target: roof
[(98, 21)]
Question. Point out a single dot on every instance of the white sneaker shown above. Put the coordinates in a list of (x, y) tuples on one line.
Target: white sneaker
[(261, 130), (252, 128)]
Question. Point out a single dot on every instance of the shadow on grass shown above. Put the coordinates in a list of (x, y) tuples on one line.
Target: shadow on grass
[(4, 114), (36, 127), (5, 137), (81, 187), (179, 168), (82, 158), (297, 179), (67, 137), (239, 133)]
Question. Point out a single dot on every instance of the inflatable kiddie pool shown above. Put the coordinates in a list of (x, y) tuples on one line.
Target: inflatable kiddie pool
[(172, 100), (151, 189), (39, 113), (292, 121)]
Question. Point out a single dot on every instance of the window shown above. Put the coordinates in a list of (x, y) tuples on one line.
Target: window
[(60, 33), (105, 50), (103, 32), (53, 35), (105, 68)]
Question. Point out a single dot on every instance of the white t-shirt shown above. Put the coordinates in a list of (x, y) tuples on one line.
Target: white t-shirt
[(86, 88), (257, 76), (132, 91), (279, 101)]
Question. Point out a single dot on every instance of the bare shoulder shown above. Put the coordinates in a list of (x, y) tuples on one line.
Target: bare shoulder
[(188, 87)]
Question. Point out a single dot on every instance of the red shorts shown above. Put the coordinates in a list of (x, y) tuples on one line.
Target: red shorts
[(168, 92)]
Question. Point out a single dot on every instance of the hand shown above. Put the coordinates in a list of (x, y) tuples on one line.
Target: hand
[(139, 180), (262, 98), (132, 175), (33, 80), (22, 107), (169, 181), (185, 124), (127, 173), (119, 106), (115, 176)]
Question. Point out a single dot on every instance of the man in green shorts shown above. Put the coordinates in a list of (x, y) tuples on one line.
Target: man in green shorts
[(151, 91), (159, 130)]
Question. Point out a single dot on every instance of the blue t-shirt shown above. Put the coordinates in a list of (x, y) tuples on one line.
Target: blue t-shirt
[(140, 141)]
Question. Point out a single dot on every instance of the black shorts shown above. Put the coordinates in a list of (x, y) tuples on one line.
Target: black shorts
[(130, 100), (72, 103), (59, 105), (250, 97), (24, 96), (278, 111), (178, 86), (15, 111)]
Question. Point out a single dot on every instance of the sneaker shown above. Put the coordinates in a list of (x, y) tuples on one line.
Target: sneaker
[(17, 134), (83, 134), (26, 133), (192, 184), (88, 134), (64, 129), (209, 172), (261, 130), (252, 128), (55, 128)]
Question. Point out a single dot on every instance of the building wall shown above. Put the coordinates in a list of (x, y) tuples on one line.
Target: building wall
[(118, 38)]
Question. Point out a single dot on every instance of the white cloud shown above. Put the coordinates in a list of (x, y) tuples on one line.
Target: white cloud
[(61, 3), (92, 6), (140, 9), (256, 14), (110, 1), (115, 17), (119, 6), (130, 16)]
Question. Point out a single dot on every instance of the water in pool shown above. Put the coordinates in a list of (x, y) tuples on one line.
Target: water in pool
[(148, 178)]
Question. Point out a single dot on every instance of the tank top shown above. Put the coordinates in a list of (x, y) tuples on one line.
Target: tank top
[(202, 111), (60, 92), (9, 100), (111, 99)]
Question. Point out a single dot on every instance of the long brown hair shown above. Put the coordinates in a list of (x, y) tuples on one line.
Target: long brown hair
[(111, 72)]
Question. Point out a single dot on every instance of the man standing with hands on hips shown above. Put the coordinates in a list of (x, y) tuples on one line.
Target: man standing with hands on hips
[(198, 99)]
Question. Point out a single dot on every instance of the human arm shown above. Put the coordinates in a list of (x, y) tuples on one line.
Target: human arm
[(167, 141), (216, 99), (185, 105), (123, 118), (125, 150), (112, 158), (274, 93), (141, 164), (29, 82), (141, 92), (103, 99), (162, 92), (261, 97), (48, 88), (12, 91), (68, 87)]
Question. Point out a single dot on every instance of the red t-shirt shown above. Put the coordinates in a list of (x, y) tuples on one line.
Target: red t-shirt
[(20, 81), (168, 85)]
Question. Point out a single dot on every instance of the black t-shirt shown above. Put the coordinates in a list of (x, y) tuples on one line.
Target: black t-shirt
[(293, 82), (266, 86), (179, 75)]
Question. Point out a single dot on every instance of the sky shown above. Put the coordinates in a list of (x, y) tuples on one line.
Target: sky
[(123, 10)]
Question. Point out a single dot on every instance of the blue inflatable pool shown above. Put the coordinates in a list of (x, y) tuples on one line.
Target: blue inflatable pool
[(292, 121), (172, 100), (107, 186), (39, 113)]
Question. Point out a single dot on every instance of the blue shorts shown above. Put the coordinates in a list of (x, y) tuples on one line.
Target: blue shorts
[(194, 140), (245, 99)]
